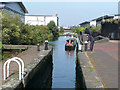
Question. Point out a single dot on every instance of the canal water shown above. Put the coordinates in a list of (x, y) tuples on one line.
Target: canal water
[(60, 70), (64, 66)]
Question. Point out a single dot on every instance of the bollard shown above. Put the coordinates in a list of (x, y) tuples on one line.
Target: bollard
[(38, 47), (46, 44), (86, 43), (77, 47)]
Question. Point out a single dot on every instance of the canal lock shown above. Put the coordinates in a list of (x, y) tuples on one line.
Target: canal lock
[(46, 76)]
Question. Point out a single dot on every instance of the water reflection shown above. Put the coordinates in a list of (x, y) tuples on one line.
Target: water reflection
[(63, 75), (70, 53), (60, 72)]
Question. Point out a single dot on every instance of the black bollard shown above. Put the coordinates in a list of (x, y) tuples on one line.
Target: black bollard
[(38, 47), (46, 44), (77, 47), (86, 45)]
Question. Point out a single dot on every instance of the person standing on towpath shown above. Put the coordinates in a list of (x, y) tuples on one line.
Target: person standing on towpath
[(90, 38)]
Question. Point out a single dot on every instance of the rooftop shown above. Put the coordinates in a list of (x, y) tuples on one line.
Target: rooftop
[(84, 22), (20, 3), (100, 18), (42, 15)]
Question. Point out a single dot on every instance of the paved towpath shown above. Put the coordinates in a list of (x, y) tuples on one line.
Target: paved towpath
[(105, 60), (27, 56)]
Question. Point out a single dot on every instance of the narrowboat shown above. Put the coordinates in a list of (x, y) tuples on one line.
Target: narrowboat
[(70, 44)]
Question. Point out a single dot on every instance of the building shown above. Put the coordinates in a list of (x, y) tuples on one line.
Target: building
[(15, 8), (93, 23), (108, 29), (117, 16), (84, 24), (97, 22), (41, 19)]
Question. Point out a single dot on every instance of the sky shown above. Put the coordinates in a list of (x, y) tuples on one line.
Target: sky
[(72, 12), (60, 0)]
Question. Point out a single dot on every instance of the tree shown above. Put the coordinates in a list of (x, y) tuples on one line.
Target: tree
[(61, 29), (14, 31), (78, 29), (10, 28), (53, 28), (51, 25)]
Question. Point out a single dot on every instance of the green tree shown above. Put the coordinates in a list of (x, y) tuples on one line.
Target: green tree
[(51, 25), (10, 28), (78, 29), (95, 29), (61, 29), (14, 31), (53, 28)]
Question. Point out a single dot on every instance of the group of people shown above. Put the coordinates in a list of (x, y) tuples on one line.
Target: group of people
[(72, 42), (89, 38)]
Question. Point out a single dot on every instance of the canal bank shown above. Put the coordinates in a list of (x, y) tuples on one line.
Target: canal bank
[(63, 72), (57, 68), (41, 59), (53, 68), (104, 61), (90, 77)]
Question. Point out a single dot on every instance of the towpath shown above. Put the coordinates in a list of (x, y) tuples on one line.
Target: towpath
[(105, 60), (27, 56)]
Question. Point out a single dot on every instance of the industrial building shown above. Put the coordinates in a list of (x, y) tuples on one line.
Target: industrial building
[(41, 19)]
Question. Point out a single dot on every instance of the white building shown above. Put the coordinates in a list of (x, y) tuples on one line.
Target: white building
[(40, 19), (93, 23), (117, 16), (15, 8), (98, 21)]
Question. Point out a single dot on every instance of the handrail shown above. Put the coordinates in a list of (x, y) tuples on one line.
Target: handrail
[(18, 60)]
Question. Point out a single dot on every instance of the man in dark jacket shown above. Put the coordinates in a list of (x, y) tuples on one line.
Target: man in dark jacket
[(90, 38)]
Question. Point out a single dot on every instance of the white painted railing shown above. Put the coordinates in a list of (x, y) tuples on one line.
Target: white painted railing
[(21, 67)]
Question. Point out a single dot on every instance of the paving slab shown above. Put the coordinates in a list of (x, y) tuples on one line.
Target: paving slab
[(90, 76), (105, 60), (27, 56)]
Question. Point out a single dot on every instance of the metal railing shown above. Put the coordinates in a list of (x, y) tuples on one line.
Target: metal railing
[(21, 67)]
